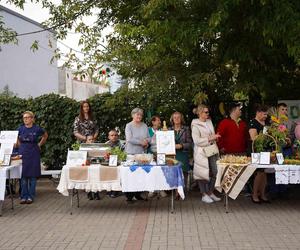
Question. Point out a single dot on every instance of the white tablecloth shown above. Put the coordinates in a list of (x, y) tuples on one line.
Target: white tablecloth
[(92, 184), (15, 173), (284, 174), (128, 181), (139, 180)]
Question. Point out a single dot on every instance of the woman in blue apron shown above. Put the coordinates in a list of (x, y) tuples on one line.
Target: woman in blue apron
[(29, 148)]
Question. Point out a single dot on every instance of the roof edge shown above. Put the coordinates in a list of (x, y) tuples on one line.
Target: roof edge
[(25, 18)]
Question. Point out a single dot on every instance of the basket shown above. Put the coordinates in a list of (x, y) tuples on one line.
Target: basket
[(265, 135)]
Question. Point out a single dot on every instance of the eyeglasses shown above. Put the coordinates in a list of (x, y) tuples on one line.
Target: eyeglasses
[(27, 117)]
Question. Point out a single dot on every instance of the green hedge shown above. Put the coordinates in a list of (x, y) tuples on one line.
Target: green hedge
[(56, 114)]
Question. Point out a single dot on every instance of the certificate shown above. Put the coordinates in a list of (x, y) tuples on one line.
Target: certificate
[(113, 160), (6, 149), (165, 141), (6, 160), (76, 158), (264, 158), (9, 136), (161, 159)]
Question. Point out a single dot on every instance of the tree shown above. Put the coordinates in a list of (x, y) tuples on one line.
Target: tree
[(216, 46), (7, 35)]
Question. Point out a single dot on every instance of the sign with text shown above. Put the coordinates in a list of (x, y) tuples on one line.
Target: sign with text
[(9, 136), (76, 158), (165, 141)]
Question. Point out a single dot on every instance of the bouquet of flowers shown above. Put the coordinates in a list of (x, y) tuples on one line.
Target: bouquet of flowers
[(278, 129), (276, 135)]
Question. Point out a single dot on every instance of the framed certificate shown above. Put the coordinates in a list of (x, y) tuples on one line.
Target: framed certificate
[(6, 149), (6, 160), (76, 158), (161, 159), (113, 160), (165, 141)]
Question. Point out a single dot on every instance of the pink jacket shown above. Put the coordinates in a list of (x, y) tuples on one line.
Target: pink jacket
[(297, 131)]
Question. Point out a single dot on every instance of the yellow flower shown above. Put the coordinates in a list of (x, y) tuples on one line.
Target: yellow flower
[(284, 118), (275, 119)]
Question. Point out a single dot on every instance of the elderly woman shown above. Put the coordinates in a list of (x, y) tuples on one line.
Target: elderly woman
[(137, 134), (183, 140), (29, 148), (137, 142), (86, 130), (205, 168), (260, 180)]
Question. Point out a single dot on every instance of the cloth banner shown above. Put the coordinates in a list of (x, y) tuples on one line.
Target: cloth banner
[(109, 174), (79, 173), (231, 178)]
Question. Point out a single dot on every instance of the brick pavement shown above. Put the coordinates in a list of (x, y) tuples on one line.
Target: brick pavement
[(112, 224)]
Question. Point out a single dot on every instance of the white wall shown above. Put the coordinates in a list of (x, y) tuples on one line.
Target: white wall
[(78, 89), (28, 73)]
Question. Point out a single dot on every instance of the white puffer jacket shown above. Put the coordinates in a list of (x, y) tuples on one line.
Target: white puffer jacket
[(200, 134)]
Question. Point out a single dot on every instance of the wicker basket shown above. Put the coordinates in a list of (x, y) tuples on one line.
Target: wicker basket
[(265, 135)]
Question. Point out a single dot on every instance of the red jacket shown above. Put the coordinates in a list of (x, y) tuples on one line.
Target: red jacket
[(233, 136)]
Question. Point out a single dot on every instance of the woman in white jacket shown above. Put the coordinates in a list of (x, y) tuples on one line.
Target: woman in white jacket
[(205, 168)]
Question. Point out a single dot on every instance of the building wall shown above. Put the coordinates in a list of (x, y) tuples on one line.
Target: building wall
[(78, 89), (28, 73)]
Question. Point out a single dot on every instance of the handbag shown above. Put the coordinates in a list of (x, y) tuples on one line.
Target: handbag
[(211, 150)]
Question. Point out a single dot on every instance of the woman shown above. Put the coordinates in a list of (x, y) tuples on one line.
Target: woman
[(85, 127), (30, 148), (156, 124), (137, 134), (137, 142), (260, 180), (183, 140), (205, 168), (86, 130)]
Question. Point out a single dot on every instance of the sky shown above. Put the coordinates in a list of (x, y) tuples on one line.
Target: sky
[(35, 12)]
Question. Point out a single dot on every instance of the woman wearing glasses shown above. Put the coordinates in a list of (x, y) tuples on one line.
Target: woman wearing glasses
[(183, 140), (29, 147), (205, 168)]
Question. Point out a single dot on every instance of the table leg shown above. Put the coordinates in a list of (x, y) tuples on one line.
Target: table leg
[(1, 205), (71, 207), (77, 195), (226, 203), (172, 201), (10, 191)]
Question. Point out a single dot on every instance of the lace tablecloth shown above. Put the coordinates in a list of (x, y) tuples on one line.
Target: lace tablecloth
[(126, 179), (152, 178), (94, 178)]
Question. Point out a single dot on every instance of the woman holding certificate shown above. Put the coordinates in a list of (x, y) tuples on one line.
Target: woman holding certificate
[(29, 148)]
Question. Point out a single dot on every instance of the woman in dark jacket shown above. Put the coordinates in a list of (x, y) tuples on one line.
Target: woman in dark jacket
[(183, 140)]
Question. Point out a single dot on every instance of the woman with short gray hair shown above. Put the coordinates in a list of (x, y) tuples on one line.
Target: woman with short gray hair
[(136, 133), (137, 142)]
